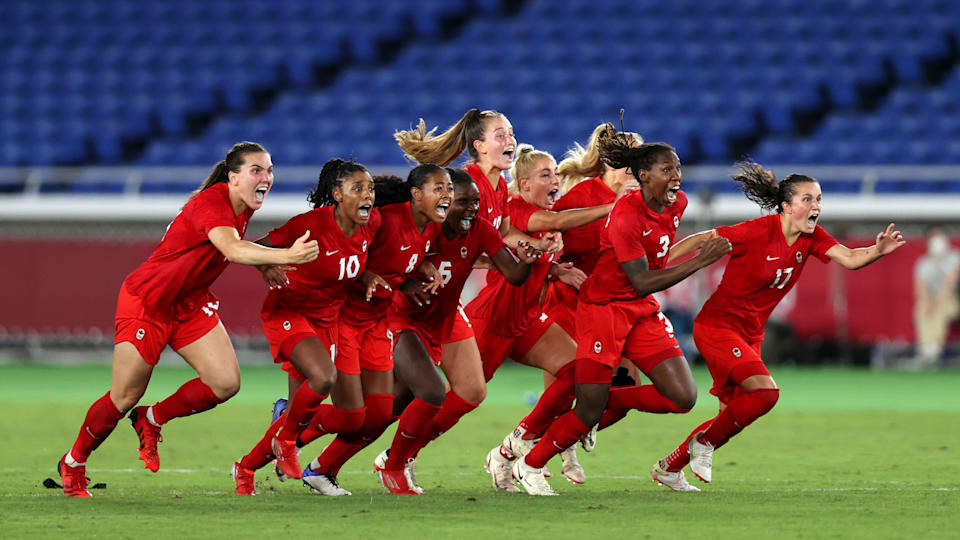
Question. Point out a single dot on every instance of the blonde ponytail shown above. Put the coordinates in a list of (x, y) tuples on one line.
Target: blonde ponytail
[(582, 163), (422, 146)]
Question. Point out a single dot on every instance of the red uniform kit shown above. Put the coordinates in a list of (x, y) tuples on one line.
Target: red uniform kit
[(399, 248), (310, 305), (167, 300), (581, 246), (612, 321), (493, 203), (508, 320), (442, 321), (728, 330)]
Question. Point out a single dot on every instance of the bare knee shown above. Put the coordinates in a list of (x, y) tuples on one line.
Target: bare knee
[(125, 399), (225, 386), (322, 383), (474, 393), (432, 394), (685, 399)]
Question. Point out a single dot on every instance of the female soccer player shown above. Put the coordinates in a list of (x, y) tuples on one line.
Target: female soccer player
[(300, 316), (167, 301), (509, 320), (617, 315), (411, 215), (768, 255), (424, 326)]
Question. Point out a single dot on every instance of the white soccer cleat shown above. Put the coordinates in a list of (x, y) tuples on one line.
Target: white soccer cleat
[(531, 479), (572, 469), (516, 444), (589, 441), (380, 461), (323, 483), (673, 480), (701, 459), (498, 467), (410, 472)]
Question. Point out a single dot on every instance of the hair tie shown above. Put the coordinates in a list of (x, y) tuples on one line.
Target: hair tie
[(526, 150)]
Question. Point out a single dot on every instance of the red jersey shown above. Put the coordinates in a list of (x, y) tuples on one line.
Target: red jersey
[(581, 245), (454, 260), (177, 276), (397, 251), (493, 202), (511, 310), (632, 230), (317, 288), (762, 270)]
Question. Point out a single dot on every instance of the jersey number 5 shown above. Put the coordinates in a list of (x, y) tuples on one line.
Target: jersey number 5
[(781, 273), (349, 267), (445, 272)]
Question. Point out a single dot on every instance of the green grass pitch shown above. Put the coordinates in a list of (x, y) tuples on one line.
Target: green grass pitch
[(845, 454)]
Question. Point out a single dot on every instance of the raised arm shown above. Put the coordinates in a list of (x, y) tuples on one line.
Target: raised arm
[(888, 241), (548, 220), (237, 250), (514, 270), (646, 281)]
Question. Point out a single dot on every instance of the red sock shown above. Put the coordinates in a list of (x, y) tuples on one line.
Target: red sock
[(299, 412), (413, 423), (556, 400), (644, 398), (330, 419), (454, 408), (191, 398), (679, 458), (612, 416), (740, 413), (102, 417), (262, 453), (564, 431), (378, 418)]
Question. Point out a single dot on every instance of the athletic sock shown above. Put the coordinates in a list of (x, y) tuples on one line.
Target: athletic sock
[(299, 412), (378, 418), (563, 433), (330, 419), (611, 417), (453, 409), (679, 458), (413, 423), (191, 398), (262, 453), (740, 413), (556, 400), (102, 417), (644, 398)]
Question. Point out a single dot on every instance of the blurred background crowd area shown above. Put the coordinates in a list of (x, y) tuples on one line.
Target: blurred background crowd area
[(112, 111)]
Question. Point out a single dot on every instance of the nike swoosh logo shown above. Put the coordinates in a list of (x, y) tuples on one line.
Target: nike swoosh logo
[(490, 210), (404, 248), (769, 258), (329, 253), (645, 233)]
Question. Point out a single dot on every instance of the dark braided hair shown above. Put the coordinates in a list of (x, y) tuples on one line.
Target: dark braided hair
[(331, 176), (760, 185), (392, 189), (617, 152), (233, 162)]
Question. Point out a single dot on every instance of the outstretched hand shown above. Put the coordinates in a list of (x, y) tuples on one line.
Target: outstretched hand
[(527, 253), (889, 240), (303, 250), (373, 282), (275, 275)]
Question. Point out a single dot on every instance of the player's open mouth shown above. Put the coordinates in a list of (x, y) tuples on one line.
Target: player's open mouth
[(442, 209), (672, 194), (812, 220), (508, 153), (260, 193), (552, 196), (364, 211), (466, 223)]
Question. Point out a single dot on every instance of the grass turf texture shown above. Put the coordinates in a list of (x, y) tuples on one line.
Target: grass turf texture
[(845, 454)]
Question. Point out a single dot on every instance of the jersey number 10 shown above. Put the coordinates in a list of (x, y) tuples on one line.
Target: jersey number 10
[(349, 267)]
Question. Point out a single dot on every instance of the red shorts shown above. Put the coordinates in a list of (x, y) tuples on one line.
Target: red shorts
[(368, 347), (561, 304), (285, 329), (723, 351), (150, 336), (607, 332), (494, 349), (432, 340)]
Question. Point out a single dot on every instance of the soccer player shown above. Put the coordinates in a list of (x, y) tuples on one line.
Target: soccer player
[(509, 320), (412, 212), (300, 315), (167, 301), (617, 315), (768, 255), (424, 327)]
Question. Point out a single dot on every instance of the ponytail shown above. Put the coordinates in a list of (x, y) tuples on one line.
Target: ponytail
[(527, 155), (581, 163), (422, 146), (233, 162), (392, 189), (760, 185), (617, 152)]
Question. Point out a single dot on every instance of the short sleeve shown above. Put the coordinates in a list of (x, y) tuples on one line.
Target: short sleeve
[(286, 234), (212, 211), (575, 198), (822, 241), (625, 234), (520, 213)]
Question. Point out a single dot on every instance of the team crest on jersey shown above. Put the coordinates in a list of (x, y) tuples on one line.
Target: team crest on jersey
[(676, 222), (463, 252), (799, 257), (140, 333), (363, 248), (286, 325), (736, 352), (427, 248), (597, 347)]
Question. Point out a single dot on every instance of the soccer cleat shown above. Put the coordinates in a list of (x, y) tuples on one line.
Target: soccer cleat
[(499, 469), (531, 479), (572, 469), (73, 479), (287, 461), (673, 480), (396, 481), (701, 459), (244, 479), (589, 441), (323, 483), (149, 435), (516, 445), (380, 461), (410, 470), (279, 406)]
